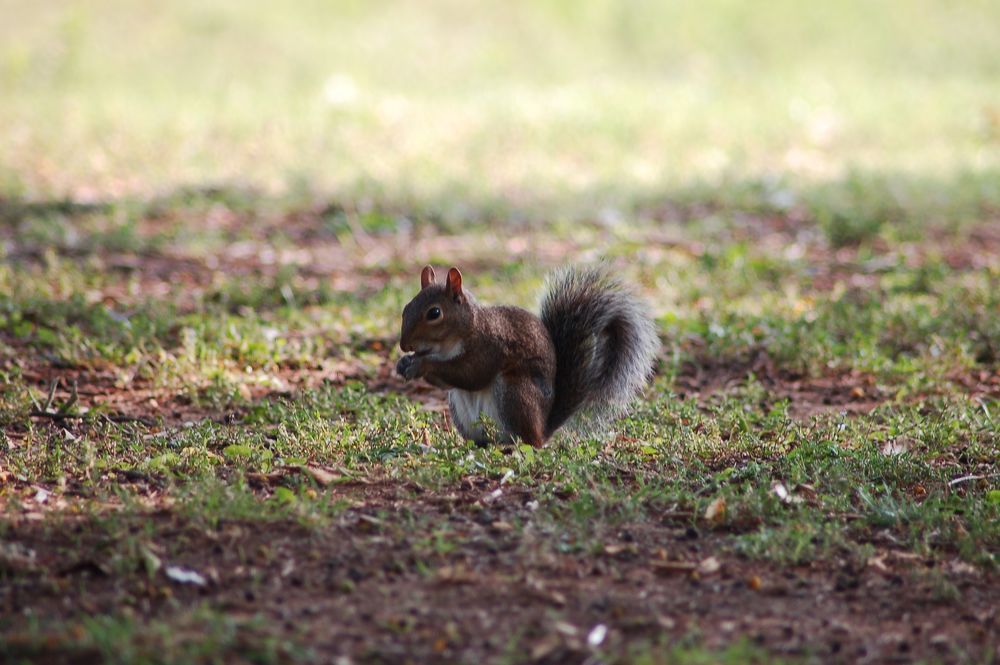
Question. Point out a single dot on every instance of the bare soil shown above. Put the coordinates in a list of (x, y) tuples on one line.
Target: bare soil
[(370, 587)]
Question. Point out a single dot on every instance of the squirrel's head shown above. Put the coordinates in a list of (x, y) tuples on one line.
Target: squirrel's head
[(438, 319)]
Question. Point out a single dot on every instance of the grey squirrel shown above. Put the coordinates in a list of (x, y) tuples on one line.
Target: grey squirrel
[(591, 348)]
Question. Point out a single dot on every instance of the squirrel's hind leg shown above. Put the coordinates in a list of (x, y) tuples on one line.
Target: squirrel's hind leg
[(523, 406)]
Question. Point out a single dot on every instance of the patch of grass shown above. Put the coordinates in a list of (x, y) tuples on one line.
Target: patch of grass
[(195, 635), (208, 504), (663, 653), (793, 544)]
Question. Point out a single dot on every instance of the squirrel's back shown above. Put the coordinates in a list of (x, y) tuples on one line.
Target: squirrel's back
[(605, 342)]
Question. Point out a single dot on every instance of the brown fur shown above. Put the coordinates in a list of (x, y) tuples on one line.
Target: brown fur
[(591, 350)]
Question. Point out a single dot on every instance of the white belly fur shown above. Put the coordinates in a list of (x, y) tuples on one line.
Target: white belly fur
[(469, 408)]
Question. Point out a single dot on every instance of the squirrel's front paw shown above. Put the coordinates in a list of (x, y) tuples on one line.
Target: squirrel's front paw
[(408, 367)]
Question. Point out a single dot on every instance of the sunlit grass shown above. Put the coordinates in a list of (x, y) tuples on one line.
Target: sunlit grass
[(520, 105)]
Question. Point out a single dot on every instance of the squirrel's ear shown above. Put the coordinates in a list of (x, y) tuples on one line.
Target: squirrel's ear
[(454, 283), (426, 277)]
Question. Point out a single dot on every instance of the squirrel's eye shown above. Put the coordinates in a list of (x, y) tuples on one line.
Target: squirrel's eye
[(433, 313)]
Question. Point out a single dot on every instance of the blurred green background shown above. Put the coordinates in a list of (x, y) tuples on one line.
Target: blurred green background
[(547, 106)]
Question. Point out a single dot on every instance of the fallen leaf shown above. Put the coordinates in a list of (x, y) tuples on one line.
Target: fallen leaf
[(709, 566), (556, 598), (320, 475), (906, 556), (597, 635), (550, 595), (565, 628), (806, 491), (962, 568), (673, 567), (454, 575), (754, 582), (796, 495), (897, 446), (716, 511), (370, 519), (264, 479), (184, 576), (545, 647), (614, 549), (878, 563)]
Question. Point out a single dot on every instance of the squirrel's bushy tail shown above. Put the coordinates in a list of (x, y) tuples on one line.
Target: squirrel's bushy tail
[(605, 343)]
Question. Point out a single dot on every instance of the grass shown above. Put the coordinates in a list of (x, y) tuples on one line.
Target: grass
[(209, 232), (558, 109), (200, 635)]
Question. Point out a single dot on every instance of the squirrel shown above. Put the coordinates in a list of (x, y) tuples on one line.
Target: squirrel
[(591, 348)]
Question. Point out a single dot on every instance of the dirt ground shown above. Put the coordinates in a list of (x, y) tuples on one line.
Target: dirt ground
[(354, 589), (371, 587)]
